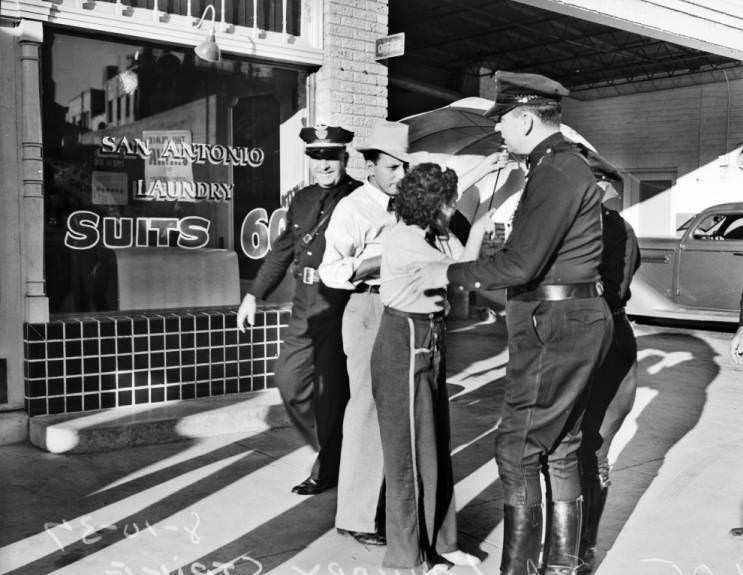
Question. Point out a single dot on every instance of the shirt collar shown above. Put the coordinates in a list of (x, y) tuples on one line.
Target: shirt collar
[(377, 195), (545, 147)]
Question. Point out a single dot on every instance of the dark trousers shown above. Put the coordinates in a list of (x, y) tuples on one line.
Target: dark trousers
[(554, 347), (409, 387), (311, 373), (610, 401)]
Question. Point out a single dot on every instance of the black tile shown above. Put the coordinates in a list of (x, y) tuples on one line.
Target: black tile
[(260, 318), (216, 322), (36, 350), (54, 349), (73, 385), (26, 392), (124, 345), (272, 334), (37, 369), (271, 318), (157, 342), (202, 322), (157, 394), (188, 391), (108, 328), (56, 405), (91, 383), (141, 344), (187, 340), (108, 400), (216, 338), (125, 397), (245, 351), (217, 355), (245, 384), (90, 330), (202, 389), (91, 365), (230, 337), (230, 369), (172, 358), (108, 381), (141, 396), (141, 378), (36, 387), (73, 330), (73, 366), (217, 387), (230, 386), (217, 371), (245, 368), (173, 375), (74, 403), (259, 351), (54, 330), (37, 407), (172, 324), (270, 365), (202, 355), (157, 359), (157, 325), (188, 357), (90, 347), (141, 361), (73, 348), (258, 367), (188, 323), (108, 363), (123, 326), (230, 353), (202, 339), (108, 346), (35, 332), (173, 392), (172, 341), (157, 377), (124, 362), (272, 350), (55, 368), (140, 327), (188, 374), (202, 372), (258, 335), (124, 380), (91, 401)]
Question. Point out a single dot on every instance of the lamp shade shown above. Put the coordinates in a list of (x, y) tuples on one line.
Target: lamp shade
[(209, 50)]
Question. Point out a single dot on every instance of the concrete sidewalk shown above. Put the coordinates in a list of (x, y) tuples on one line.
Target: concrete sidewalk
[(222, 504)]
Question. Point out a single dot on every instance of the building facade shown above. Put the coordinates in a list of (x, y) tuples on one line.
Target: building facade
[(142, 186)]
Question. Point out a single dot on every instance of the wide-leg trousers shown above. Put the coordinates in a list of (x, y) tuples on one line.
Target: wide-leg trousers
[(409, 384), (311, 373), (361, 471), (554, 348)]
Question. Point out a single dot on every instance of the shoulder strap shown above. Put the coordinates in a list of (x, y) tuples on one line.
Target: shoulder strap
[(312, 234)]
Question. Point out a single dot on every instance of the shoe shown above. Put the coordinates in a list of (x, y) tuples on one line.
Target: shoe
[(438, 569), (522, 534), (563, 537), (312, 486), (364, 538), (459, 557)]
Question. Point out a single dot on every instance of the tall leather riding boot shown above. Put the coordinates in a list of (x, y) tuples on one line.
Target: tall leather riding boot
[(563, 537), (522, 535), (594, 499)]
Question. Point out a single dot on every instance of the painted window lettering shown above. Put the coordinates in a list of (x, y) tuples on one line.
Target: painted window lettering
[(258, 231)]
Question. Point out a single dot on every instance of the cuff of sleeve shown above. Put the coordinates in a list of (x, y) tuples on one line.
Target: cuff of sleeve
[(338, 275)]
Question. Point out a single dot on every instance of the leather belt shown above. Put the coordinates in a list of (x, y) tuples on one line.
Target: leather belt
[(308, 276), (366, 288), (556, 292)]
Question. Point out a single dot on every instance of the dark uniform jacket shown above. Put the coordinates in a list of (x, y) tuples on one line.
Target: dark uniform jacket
[(556, 236), (308, 207), (620, 259)]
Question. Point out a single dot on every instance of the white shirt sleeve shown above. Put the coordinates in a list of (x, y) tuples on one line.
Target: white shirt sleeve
[(342, 240)]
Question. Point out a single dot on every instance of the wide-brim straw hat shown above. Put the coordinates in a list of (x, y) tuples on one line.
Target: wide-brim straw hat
[(390, 138)]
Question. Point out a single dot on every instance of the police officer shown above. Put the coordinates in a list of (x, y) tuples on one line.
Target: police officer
[(558, 323), (311, 370)]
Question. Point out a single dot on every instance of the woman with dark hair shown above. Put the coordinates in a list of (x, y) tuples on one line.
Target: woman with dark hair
[(409, 375)]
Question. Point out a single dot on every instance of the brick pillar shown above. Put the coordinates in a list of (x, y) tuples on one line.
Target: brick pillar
[(351, 86)]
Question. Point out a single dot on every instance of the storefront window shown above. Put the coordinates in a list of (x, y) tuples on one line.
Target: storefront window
[(146, 146)]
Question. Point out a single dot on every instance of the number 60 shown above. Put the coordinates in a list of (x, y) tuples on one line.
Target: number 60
[(258, 231)]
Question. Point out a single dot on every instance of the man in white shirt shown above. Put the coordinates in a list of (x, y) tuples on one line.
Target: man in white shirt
[(351, 261)]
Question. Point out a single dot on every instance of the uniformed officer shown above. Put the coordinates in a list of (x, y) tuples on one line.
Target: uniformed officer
[(558, 324), (311, 370)]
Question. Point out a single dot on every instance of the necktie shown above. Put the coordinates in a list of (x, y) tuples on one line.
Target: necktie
[(391, 204)]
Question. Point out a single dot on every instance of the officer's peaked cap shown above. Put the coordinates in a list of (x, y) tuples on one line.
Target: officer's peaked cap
[(513, 90), (322, 136)]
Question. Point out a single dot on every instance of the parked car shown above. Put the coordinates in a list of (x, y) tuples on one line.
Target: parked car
[(698, 276)]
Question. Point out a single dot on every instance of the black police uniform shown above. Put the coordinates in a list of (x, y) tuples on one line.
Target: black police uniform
[(559, 328), (615, 383), (311, 370)]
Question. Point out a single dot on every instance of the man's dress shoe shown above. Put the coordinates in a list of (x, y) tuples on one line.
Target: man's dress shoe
[(364, 538), (312, 486)]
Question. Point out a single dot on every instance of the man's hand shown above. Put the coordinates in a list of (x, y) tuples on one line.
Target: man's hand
[(428, 276), (246, 311), (736, 346)]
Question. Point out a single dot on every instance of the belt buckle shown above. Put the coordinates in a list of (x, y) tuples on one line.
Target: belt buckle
[(309, 275), (600, 288)]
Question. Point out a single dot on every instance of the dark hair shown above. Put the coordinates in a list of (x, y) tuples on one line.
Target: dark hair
[(422, 193), (549, 113), (371, 156)]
